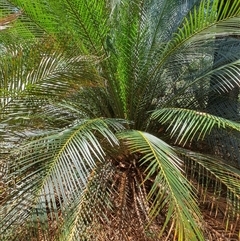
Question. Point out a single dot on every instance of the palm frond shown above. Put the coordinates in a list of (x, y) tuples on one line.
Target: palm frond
[(82, 23), (191, 35), (16, 25), (202, 19), (47, 182), (33, 74), (90, 20), (187, 124), (169, 189), (85, 217)]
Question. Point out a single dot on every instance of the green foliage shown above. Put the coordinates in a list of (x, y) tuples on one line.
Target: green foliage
[(187, 124), (163, 166), (94, 97)]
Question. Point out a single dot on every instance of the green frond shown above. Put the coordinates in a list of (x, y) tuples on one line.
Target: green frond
[(33, 74), (223, 79), (84, 24), (90, 20), (200, 26), (127, 51), (169, 189), (48, 181), (16, 26), (187, 124), (83, 220)]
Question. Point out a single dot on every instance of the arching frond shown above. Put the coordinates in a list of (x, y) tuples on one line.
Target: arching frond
[(203, 19), (170, 189), (187, 124), (49, 180), (32, 74), (84, 24), (88, 211), (195, 39)]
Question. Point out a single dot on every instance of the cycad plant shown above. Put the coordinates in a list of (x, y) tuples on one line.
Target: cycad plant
[(107, 125)]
